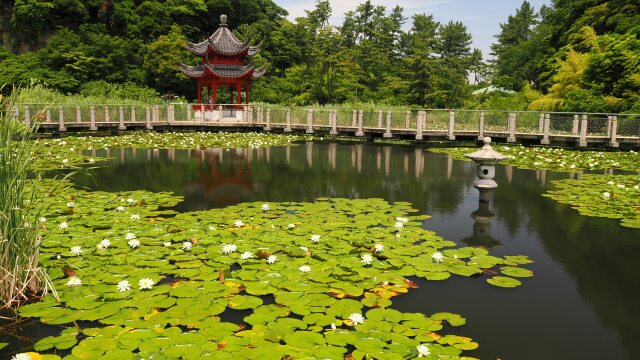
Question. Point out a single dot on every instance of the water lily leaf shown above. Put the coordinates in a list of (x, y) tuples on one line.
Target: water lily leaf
[(516, 271), (304, 339), (242, 302), (504, 282), (452, 319)]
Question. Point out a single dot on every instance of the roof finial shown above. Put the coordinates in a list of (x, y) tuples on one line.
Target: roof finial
[(223, 20)]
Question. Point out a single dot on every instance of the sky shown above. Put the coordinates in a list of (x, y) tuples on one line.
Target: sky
[(482, 17)]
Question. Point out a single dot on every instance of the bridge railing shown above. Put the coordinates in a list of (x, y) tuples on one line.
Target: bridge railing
[(433, 122)]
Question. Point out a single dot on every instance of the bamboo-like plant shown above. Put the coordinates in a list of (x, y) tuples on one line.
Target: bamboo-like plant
[(20, 276)]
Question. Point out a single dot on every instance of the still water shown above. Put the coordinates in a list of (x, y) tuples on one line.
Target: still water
[(582, 303)]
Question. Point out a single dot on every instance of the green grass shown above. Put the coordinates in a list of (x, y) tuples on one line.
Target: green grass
[(20, 276)]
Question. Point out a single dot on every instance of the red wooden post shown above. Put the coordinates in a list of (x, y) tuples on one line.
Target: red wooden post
[(239, 93)]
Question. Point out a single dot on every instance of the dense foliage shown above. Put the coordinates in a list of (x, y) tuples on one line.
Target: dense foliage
[(581, 55), (574, 55)]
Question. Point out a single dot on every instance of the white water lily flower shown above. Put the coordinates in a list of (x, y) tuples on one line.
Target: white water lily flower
[(129, 236), (76, 250), (637, 187), (229, 248), (124, 285), (130, 201), (367, 259), (22, 356), (378, 247), (315, 238), (333, 326), (621, 186), (167, 244), (186, 246), (238, 223), (63, 225), (305, 268), (65, 161), (74, 281), (246, 255), (304, 248), (606, 194), (610, 183), (356, 318), (104, 244), (145, 283), (42, 219), (71, 204), (134, 243), (423, 350), (265, 207), (211, 228), (402, 219), (135, 217), (291, 226), (120, 208), (437, 256), (399, 224), (271, 259)]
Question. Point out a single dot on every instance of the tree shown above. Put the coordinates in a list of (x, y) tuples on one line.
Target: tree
[(513, 65), (162, 63)]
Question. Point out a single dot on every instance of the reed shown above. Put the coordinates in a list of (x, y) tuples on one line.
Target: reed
[(21, 278)]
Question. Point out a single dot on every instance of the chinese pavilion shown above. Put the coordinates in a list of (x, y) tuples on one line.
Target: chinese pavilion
[(223, 64)]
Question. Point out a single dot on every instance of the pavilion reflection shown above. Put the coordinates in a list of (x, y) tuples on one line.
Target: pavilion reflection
[(222, 180)]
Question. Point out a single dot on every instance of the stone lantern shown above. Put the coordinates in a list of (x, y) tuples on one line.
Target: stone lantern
[(486, 158)]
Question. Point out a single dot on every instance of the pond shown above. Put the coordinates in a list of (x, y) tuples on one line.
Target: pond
[(581, 303)]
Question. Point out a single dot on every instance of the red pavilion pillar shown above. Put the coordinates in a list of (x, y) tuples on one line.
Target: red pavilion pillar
[(239, 89), (199, 92)]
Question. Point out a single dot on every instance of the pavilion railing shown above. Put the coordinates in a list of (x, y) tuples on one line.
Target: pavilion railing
[(581, 127)]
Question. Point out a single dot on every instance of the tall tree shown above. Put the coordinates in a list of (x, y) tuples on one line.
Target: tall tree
[(513, 65)]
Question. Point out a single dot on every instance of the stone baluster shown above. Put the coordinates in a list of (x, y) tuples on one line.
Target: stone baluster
[(575, 125), (92, 118), (171, 115), (268, 122), (156, 113), (512, 128), (107, 116), (379, 118), (121, 125), (27, 116), (545, 130), (78, 114), (48, 116), (61, 126), (309, 121), (452, 121), (333, 120), (287, 128), (583, 132), (15, 113), (419, 120), (148, 118), (387, 134), (541, 124), (613, 139), (609, 120), (133, 114), (360, 131), (250, 114), (407, 119), (481, 126), (354, 119)]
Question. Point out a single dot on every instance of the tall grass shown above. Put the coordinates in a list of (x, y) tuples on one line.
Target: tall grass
[(20, 276)]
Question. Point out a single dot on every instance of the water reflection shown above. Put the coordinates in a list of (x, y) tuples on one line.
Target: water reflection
[(482, 219), (582, 302)]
